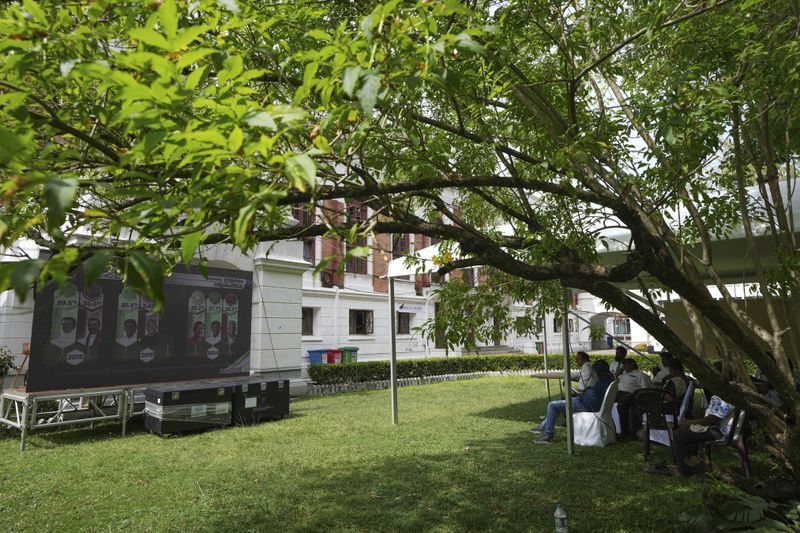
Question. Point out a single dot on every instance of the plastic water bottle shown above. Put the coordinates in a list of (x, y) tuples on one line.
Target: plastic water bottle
[(561, 519)]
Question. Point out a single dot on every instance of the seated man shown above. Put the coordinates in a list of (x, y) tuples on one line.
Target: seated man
[(631, 380), (590, 401), (713, 426), (661, 372), (675, 385), (619, 356), (587, 377)]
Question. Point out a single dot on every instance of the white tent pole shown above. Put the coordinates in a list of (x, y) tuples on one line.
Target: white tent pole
[(393, 366), (567, 373), (544, 336)]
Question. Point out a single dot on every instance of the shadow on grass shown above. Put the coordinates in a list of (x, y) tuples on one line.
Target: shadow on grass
[(602, 490), (52, 438)]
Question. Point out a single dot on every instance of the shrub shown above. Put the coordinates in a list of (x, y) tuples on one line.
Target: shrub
[(436, 366), (6, 361)]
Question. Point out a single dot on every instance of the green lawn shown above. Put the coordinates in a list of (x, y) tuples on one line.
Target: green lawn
[(461, 459)]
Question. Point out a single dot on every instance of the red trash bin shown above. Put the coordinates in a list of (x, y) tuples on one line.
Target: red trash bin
[(334, 357)]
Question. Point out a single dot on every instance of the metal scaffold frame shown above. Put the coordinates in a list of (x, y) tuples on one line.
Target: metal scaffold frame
[(26, 411)]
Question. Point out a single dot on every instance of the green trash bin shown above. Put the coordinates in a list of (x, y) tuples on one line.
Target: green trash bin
[(349, 354)]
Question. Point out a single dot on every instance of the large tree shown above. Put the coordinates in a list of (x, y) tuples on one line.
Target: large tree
[(144, 130)]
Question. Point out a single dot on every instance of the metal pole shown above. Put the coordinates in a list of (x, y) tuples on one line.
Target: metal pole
[(544, 336), (567, 373), (393, 366)]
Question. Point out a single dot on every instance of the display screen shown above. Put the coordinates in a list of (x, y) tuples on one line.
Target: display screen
[(107, 334)]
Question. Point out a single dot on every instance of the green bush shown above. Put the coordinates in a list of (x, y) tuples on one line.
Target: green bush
[(436, 366)]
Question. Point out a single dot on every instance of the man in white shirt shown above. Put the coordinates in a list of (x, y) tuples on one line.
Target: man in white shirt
[(619, 356), (631, 380), (662, 373), (587, 377)]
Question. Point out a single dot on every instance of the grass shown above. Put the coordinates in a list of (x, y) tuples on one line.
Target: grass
[(460, 459)]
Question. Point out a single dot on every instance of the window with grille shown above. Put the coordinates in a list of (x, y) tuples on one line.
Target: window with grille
[(360, 322), (304, 214), (469, 277), (622, 326), (403, 323), (308, 321), (356, 214), (558, 323), (400, 246)]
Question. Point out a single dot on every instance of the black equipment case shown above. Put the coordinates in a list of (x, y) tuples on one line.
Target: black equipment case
[(256, 399), (183, 407)]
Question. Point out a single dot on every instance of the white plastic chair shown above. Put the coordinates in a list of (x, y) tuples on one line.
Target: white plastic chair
[(596, 429)]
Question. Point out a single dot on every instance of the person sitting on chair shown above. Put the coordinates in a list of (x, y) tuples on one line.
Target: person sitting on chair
[(675, 386), (619, 356), (590, 401), (713, 426), (587, 377), (631, 380), (661, 373)]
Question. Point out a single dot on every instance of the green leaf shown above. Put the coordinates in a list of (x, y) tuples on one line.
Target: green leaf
[(359, 251), (58, 267), (261, 119), (96, 265), (366, 26), (151, 37), (368, 93), (310, 72), (187, 36), (194, 77), (168, 16), (232, 67), (189, 246), (242, 225), (20, 276), (235, 140), (301, 170), (145, 275), (454, 7), (59, 195), (33, 9), (349, 79), (10, 145), (319, 35), (465, 42)]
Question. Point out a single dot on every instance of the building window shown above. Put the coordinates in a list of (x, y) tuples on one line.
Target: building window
[(469, 277), (309, 249), (356, 214), (558, 323), (400, 245), (403, 323), (360, 322), (622, 326), (308, 321), (304, 215)]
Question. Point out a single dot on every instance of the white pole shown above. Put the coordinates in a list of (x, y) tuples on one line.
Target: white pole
[(567, 373), (546, 370), (393, 366)]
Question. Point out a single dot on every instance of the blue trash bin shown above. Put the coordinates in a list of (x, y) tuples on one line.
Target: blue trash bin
[(318, 357), (610, 341)]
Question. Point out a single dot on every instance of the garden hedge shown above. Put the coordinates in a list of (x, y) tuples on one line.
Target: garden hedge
[(437, 366)]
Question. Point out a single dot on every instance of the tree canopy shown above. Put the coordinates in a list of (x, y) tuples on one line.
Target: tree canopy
[(143, 130)]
